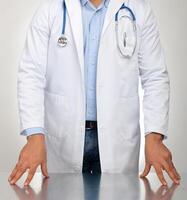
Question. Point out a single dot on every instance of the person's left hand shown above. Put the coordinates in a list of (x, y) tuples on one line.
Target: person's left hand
[(159, 156)]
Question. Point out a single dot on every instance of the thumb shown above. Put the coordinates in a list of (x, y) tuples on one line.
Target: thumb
[(146, 170), (44, 169)]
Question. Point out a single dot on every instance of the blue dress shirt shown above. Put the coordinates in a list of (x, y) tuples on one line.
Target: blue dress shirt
[(93, 19)]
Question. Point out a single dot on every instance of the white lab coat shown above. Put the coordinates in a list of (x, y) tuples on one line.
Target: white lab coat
[(51, 88)]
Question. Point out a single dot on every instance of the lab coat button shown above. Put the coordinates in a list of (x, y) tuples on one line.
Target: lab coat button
[(82, 128), (101, 127)]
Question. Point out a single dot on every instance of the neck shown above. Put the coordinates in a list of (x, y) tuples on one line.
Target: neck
[(96, 3)]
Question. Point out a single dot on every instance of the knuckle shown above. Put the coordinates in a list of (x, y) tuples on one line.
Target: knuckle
[(18, 165), (173, 168), (16, 177), (166, 157), (170, 167), (31, 175), (24, 164), (166, 154), (171, 174), (159, 174), (24, 157), (169, 171), (31, 172), (22, 168), (34, 164)]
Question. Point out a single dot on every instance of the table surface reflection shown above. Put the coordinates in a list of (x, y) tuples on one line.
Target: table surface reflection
[(93, 187)]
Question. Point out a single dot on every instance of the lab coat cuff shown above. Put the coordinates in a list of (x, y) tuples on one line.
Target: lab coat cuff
[(33, 130)]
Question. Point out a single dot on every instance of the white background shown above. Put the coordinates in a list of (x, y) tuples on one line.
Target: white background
[(14, 20)]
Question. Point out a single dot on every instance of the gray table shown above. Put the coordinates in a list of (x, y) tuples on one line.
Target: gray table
[(92, 187)]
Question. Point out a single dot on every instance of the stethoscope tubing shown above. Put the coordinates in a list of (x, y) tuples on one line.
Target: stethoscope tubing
[(116, 21), (64, 18), (116, 16), (127, 8)]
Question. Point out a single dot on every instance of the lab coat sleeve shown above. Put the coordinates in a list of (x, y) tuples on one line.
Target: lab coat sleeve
[(154, 76), (31, 72)]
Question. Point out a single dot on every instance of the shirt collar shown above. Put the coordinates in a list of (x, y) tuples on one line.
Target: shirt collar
[(83, 2)]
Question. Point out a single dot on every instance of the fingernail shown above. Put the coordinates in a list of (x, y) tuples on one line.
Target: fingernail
[(177, 182), (11, 182), (25, 184)]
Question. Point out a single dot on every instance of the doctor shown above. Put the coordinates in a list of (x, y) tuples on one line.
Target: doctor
[(78, 90)]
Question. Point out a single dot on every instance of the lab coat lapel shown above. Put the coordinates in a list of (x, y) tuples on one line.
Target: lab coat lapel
[(75, 15), (74, 12), (112, 9)]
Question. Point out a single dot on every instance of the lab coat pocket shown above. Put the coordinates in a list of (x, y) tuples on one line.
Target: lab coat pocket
[(129, 83), (126, 35), (56, 114), (129, 111)]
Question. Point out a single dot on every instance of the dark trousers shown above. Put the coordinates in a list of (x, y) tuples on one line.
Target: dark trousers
[(91, 159)]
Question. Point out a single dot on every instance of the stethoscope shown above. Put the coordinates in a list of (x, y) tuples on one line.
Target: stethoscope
[(62, 40), (122, 44), (126, 44)]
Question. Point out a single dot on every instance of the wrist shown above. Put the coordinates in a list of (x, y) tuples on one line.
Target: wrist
[(154, 136), (34, 137)]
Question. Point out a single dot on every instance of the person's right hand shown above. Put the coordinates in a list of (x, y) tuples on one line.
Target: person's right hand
[(31, 156)]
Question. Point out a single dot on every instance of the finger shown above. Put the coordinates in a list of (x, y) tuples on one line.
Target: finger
[(170, 170), (146, 170), (176, 173), (159, 173), (44, 169), (30, 176), (13, 173), (18, 174)]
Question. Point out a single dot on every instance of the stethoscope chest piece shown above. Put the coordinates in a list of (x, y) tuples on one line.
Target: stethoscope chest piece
[(62, 41)]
